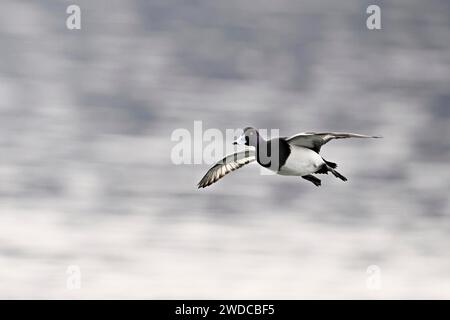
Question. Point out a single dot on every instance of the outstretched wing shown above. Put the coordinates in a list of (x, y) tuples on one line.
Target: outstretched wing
[(226, 165), (315, 140)]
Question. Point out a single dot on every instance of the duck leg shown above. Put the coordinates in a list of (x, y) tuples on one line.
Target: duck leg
[(330, 167), (313, 179), (336, 174)]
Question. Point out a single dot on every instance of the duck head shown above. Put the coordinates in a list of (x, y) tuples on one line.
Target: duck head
[(250, 137)]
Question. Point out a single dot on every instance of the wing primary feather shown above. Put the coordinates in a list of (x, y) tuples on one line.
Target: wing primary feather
[(225, 166), (315, 140)]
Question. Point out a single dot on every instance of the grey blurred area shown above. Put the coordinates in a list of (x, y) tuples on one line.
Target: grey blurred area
[(86, 177)]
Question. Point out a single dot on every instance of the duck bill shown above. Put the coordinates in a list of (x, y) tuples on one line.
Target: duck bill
[(240, 140)]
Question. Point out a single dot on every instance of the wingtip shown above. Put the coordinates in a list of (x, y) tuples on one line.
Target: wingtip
[(202, 185)]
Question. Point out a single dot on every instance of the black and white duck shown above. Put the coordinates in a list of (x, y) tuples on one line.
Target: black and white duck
[(294, 156)]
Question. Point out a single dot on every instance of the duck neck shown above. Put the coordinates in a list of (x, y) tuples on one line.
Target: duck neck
[(263, 151)]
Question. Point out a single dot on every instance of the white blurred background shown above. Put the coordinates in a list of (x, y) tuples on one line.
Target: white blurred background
[(86, 178)]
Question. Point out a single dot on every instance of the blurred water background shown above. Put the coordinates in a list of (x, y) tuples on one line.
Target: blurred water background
[(86, 177)]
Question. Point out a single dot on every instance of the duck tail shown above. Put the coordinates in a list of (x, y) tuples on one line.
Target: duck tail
[(330, 164)]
